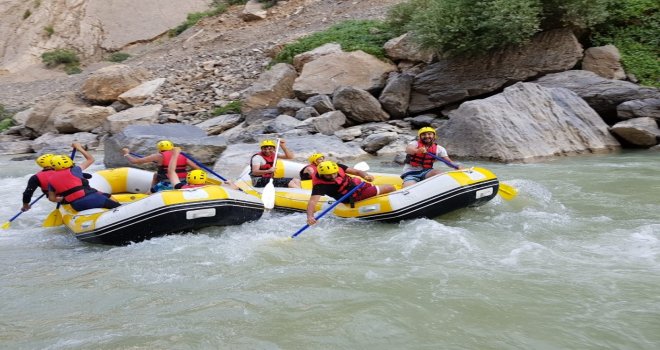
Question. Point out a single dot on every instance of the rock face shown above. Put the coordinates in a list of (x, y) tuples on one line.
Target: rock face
[(524, 123), (88, 27), (451, 80)]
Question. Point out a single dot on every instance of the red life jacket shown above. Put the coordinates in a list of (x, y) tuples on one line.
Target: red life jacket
[(43, 177), (345, 182), (180, 165), (423, 160), (306, 176), (68, 185), (269, 164)]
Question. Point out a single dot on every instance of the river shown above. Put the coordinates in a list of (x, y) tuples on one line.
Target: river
[(573, 262)]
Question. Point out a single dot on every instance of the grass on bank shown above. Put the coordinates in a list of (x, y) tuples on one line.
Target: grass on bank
[(217, 7), (5, 119), (366, 35), (231, 107), (118, 57)]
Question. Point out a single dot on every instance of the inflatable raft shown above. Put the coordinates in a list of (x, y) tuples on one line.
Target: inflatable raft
[(430, 198), (144, 216)]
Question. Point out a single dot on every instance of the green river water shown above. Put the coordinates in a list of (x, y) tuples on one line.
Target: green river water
[(573, 262)]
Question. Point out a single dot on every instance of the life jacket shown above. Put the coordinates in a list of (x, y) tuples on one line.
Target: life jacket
[(424, 160), (269, 164), (306, 176), (69, 186), (345, 183), (181, 164), (43, 177)]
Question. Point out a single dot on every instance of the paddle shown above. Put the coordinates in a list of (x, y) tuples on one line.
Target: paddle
[(202, 166), (8, 223), (506, 191), (55, 217), (268, 194), (318, 217)]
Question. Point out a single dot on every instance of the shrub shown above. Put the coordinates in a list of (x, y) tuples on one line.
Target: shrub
[(231, 107), (118, 57), (27, 14), (236, 2), (366, 35), (195, 17), (6, 124), (59, 56), (49, 31)]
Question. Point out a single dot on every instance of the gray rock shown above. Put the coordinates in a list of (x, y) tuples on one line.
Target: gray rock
[(649, 107), (641, 132), (358, 105)]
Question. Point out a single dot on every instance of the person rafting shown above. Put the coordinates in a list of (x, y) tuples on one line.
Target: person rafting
[(162, 158), (419, 163), (194, 178), (69, 184), (332, 179), (263, 164), (309, 170), (38, 180)]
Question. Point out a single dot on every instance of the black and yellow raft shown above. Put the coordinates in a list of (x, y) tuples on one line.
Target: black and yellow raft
[(430, 198), (144, 216)]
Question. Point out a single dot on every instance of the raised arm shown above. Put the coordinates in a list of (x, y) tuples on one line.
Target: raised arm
[(171, 168), (89, 159), (288, 154), (136, 160)]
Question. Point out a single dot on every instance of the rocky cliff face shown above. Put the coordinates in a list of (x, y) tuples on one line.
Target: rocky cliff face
[(92, 28)]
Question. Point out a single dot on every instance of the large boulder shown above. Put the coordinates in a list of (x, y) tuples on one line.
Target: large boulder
[(640, 132), (106, 84), (404, 47), (142, 139), (272, 86), (649, 107), (603, 95), (141, 115), (358, 105), (326, 73), (456, 79), (524, 123), (604, 61), (82, 119)]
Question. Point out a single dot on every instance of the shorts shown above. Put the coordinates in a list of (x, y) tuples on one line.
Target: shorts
[(263, 181), (367, 191), (415, 175)]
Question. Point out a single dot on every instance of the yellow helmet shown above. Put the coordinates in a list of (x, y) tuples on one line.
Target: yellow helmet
[(164, 145), (314, 157), (196, 177), (327, 168), (61, 162), (44, 160), (266, 143), (426, 129)]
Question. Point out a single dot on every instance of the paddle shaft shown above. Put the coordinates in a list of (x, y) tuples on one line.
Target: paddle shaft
[(443, 160), (203, 166), (21, 212), (277, 152), (329, 208)]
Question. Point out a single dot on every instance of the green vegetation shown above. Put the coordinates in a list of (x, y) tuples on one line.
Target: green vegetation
[(49, 31), (218, 7), (37, 3), (27, 14), (66, 57), (5, 118), (634, 28), (366, 35), (268, 3), (236, 2), (118, 57), (231, 107), (474, 27)]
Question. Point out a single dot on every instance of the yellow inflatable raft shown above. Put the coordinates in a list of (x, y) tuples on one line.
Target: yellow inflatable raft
[(143, 216)]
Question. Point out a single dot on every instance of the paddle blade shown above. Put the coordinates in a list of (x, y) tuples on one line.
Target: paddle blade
[(268, 195), (507, 192), (363, 166), (6, 225), (53, 219)]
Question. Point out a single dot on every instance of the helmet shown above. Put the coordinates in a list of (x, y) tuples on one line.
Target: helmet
[(425, 129), (44, 160), (327, 168), (196, 177), (314, 157), (61, 162), (266, 143), (164, 145)]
